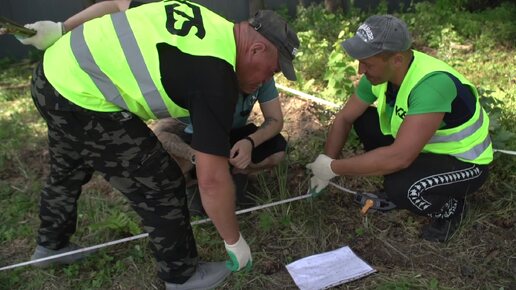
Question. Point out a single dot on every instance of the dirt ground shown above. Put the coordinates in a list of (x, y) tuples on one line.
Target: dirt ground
[(481, 256)]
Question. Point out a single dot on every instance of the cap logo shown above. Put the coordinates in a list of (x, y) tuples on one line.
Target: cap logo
[(365, 33), (294, 52)]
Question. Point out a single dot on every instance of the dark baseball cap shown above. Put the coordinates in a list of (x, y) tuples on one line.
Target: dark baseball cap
[(377, 34), (276, 30)]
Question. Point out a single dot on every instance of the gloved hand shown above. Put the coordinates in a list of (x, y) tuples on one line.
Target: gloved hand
[(317, 186), (239, 255), (321, 169), (47, 32)]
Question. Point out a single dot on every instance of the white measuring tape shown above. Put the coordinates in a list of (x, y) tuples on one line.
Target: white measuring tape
[(505, 151), (333, 105), (144, 235)]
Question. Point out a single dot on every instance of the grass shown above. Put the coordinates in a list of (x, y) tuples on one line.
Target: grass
[(480, 256)]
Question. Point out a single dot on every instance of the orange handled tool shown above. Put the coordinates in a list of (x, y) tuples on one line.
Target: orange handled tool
[(367, 205)]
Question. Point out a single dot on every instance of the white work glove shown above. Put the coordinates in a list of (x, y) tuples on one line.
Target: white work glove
[(321, 169), (47, 32), (239, 255)]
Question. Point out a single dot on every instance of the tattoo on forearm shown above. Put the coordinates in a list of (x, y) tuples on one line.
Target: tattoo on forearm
[(267, 122)]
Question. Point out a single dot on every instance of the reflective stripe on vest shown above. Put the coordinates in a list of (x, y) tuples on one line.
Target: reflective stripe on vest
[(469, 142), (134, 58), (104, 84), (464, 133), (112, 63), (476, 151), (472, 153)]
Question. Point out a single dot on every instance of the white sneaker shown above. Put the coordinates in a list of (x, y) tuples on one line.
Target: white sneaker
[(208, 275), (42, 252)]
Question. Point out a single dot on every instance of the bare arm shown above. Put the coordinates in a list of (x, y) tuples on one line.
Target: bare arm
[(48, 32), (218, 194), (414, 134), (178, 149), (94, 11), (272, 124), (342, 124)]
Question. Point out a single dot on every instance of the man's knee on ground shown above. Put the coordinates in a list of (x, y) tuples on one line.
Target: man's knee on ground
[(271, 161), (276, 158)]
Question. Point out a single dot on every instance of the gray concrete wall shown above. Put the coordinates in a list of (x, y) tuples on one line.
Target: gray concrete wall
[(29, 11), (233, 10)]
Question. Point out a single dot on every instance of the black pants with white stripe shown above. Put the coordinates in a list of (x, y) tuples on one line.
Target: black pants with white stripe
[(433, 185)]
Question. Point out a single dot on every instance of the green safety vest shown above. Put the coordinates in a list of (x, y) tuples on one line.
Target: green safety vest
[(111, 63), (469, 142)]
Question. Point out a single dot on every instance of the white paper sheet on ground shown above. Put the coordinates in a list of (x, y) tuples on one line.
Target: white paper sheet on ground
[(328, 269)]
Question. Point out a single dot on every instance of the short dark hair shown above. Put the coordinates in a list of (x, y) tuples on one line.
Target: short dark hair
[(386, 54)]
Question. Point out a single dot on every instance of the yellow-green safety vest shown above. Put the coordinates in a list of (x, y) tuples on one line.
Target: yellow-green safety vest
[(469, 142), (111, 63)]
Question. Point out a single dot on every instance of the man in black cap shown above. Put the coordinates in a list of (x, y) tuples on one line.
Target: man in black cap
[(428, 135), (98, 82)]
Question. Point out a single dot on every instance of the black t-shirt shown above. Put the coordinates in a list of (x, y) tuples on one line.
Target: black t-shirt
[(207, 87), (138, 3)]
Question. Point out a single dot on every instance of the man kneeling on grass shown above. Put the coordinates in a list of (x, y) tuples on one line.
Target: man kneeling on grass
[(428, 135), (253, 148)]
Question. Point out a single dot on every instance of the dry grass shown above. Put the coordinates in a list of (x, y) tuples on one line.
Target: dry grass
[(481, 255)]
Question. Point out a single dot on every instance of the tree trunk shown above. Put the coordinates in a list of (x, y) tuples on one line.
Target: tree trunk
[(255, 5), (336, 5)]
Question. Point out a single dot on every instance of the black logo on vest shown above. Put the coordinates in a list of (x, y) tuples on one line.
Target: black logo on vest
[(400, 112), (176, 16)]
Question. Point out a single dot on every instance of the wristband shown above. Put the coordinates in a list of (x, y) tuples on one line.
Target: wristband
[(250, 140)]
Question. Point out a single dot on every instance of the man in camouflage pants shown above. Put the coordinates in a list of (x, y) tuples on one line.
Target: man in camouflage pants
[(81, 141), (102, 79)]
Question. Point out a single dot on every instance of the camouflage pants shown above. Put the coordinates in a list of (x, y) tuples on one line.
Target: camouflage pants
[(123, 149)]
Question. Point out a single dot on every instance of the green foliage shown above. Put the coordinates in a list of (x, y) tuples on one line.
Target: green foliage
[(16, 208), (118, 222), (328, 72), (284, 233), (312, 56), (500, 135), (14, 80), (469, 5), (409, 282), (71, 271), (359, 231), (18, 129), (326, 69), (496, 26), (266, 221), (339, 71)]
